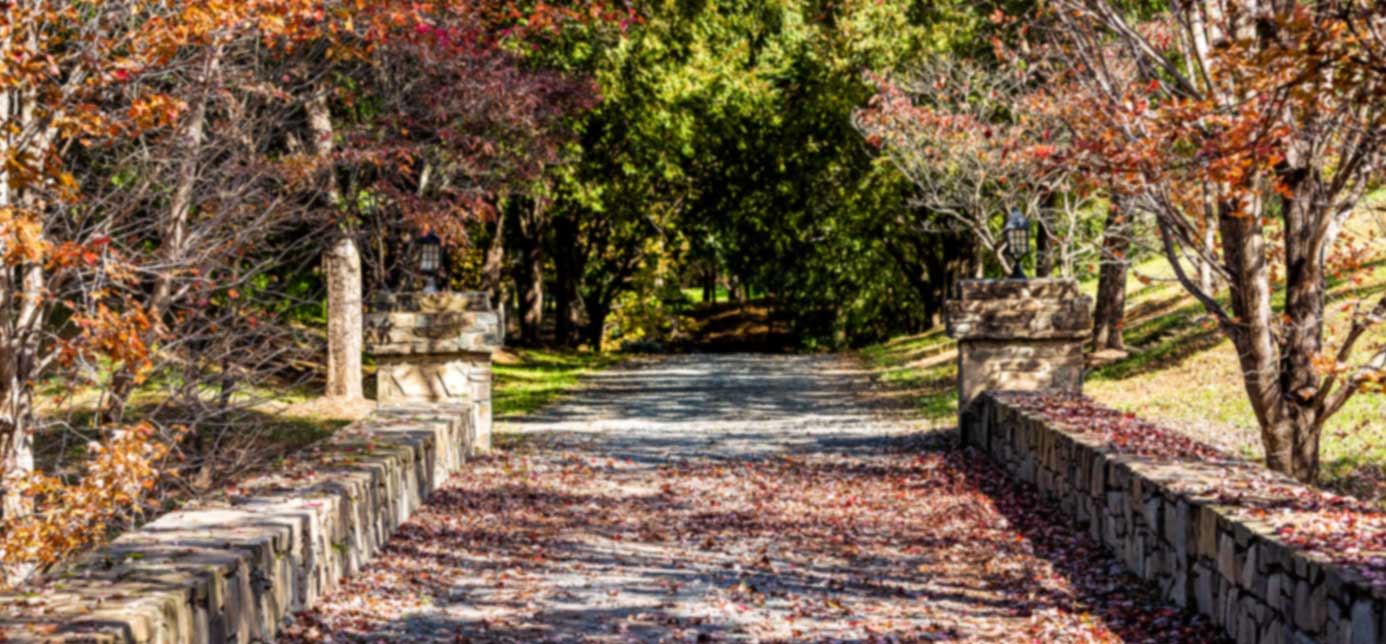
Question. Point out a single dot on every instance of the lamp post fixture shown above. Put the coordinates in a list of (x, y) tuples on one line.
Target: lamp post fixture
[(1017, 242), (430, 261)]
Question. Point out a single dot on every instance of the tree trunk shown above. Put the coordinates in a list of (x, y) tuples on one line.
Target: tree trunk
[(1205, 270), (1044, 250), (173, 242), (16, 440), (345, 335), (17, 364), (921, 279), (1253, 335), (174, 228), (1206, 280), (532, 229), (1302, 343), (710, 284), (566, 274), (492, 268), (22, 318), (596, 324), (1109, 314), (320, 126), (341, 270)]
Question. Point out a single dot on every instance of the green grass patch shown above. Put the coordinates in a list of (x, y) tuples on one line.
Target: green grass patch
[(537, 378), (917, 365), (1181, 372), (897, 352), (695, 295)]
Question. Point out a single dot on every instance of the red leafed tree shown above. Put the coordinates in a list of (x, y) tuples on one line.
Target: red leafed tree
[(462, 117), (1250, 130), (978, 140), (161, 172), (443, 115)]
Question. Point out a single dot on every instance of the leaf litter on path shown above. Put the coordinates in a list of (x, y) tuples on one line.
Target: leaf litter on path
[(885, 542)]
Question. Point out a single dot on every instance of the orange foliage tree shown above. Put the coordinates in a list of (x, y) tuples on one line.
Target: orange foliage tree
[(64, 63), (1250, 130), (160, 161)]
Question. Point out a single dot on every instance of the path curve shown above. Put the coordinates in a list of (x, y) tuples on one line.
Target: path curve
[(737, 498)]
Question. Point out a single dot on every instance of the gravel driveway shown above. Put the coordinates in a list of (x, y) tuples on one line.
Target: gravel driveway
[(739, 498)]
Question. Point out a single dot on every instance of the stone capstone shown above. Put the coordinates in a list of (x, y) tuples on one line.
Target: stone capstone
[(1019, 335), (435, 348)]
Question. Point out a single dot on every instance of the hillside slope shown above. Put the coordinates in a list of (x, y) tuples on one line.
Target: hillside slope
[(1180, 372)]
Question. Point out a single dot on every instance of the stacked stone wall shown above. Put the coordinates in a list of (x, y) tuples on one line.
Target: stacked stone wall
[(1173, 522), (233, 568)]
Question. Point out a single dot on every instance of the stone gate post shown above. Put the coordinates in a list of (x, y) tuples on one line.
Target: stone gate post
[(1018, 335), (436, 348)]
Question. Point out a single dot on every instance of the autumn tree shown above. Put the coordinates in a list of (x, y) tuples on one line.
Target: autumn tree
[(1251, 136), (166, 180), (978, 141), (67, 302)]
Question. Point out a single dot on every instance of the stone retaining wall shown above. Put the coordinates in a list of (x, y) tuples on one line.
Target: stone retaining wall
[(1204, 532), (232, 568)]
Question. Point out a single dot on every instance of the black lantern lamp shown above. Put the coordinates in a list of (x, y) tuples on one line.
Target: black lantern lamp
[(430, 261), (1017, 241)]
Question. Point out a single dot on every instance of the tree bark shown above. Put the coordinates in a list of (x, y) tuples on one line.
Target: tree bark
[(921, 278), (566, 274), (1109, 314), (532, 229), (22, 318), (17, 365), (596, 324), (1044, 250), (1252, 333), (1206, 280), (1305, 292), (174, 237), (174, 229), (342, 271), (492, 268), (345, 335)]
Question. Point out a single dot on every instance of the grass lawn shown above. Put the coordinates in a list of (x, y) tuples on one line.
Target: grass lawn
[(526, 379), (1180, 372), (921, 368), (258, 435), (695, 295), (1183, 373)]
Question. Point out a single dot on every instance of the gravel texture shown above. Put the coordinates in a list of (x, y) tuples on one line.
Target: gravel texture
[(737, 498)]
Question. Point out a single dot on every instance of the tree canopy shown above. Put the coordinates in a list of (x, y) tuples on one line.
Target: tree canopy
[(172, 173)]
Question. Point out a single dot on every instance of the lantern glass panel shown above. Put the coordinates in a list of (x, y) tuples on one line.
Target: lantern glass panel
[(1019, 241), (428, 257)]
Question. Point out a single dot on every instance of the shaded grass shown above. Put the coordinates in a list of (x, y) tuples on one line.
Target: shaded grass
[(248, 440), (695, 295), (901, 351), (1183, 373), (1180, 372), (921, 370)]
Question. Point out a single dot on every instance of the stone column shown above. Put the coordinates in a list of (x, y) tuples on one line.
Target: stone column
[(436, 348), (1019, 335)]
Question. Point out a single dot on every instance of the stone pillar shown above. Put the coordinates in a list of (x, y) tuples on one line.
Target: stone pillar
[(1019, 335), (436, 348)]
